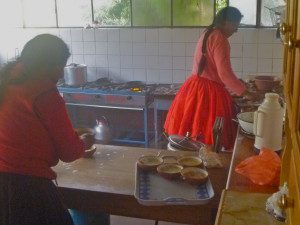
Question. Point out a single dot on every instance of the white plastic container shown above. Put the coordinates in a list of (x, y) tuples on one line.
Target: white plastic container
[(268, 123)]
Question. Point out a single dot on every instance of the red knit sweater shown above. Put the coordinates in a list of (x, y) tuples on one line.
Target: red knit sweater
[(35, 130)]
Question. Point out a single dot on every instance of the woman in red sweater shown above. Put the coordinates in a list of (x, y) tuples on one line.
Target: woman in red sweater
[(204, 95), (35, 133)]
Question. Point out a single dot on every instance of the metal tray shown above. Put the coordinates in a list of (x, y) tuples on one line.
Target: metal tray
[(152, 189)]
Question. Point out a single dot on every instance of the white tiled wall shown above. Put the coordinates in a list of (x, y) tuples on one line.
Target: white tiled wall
[(152, 55)]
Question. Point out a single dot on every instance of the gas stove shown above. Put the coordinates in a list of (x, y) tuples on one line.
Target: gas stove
[(108, 94)]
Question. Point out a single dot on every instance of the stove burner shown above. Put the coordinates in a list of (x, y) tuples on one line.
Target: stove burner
[(105, 84)]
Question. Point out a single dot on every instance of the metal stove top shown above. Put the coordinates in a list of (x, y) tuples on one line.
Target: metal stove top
[(105, 85), (105, 93)]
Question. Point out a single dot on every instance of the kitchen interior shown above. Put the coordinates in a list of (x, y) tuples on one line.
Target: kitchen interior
[(122, 79)]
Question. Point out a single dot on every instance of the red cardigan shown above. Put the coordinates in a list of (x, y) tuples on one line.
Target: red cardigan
[(35, 130)]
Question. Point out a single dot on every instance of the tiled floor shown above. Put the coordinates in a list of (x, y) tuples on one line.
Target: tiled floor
[(120, 220)]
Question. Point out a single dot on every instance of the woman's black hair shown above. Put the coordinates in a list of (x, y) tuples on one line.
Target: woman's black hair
[(226, 14), (45, 51)]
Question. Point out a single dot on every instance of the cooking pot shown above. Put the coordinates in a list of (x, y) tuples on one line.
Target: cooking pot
[(185, 143), (75, 74)]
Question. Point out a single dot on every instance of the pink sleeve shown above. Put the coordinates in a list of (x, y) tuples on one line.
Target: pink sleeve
[(221, 56), (52, 111)]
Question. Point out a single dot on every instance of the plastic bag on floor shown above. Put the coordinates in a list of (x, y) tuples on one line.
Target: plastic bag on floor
[(262, 169)]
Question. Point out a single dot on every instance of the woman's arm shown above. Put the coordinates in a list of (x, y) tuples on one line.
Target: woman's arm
[(51, 110), (221, 55)]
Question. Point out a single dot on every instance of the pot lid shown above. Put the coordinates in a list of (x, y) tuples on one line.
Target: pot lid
[(184, 143)]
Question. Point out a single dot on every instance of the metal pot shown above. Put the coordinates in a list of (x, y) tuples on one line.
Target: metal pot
[(75, 74), (102, 130), (185, 143)]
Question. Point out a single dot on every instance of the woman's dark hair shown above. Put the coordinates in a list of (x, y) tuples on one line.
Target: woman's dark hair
[(226, 14), (45, 51)]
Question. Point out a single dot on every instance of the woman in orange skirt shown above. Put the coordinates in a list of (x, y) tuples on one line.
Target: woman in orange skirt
[(204, 95)]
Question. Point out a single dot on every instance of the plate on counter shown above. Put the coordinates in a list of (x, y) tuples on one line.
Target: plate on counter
[(153, 189)]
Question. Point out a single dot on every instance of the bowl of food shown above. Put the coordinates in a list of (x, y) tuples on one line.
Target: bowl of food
[(266, 83), (149, 162), (190, 161), (246, 121), (169, 170), (194, 175), (88, 153)]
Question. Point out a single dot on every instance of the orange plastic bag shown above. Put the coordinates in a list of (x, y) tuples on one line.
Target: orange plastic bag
[(263, 169)]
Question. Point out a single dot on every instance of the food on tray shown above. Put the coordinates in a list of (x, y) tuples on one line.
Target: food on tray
[(149, 162), (169, 170), (187, 161), (194, 175)]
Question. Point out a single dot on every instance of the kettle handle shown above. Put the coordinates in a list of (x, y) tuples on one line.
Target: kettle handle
[(258, 123), (105, 120)]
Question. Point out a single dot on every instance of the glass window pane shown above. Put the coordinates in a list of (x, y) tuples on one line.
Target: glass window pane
[(193, 12), (10, 13), (74, 13), (112, 12), (39, 13), (151, 12), (248, 9), (271, 12), (220, 4)]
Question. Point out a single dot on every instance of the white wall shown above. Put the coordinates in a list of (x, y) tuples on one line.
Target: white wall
[(152, 55)]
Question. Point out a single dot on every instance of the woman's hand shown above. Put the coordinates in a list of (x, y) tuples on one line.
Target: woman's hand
[(88, 139), (251, 96)]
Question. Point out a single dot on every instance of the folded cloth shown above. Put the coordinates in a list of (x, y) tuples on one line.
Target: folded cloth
[(262, 169)]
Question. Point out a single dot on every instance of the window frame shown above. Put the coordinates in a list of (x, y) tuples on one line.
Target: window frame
[(257, 25)]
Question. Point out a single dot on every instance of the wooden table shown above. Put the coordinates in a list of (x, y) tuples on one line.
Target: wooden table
[(105, 183), (243, 202), (244, 148)]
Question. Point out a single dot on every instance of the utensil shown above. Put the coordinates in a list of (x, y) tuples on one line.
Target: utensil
[(75, 74)]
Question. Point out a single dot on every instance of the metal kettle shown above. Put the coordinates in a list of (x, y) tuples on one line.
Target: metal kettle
[(102, 130)]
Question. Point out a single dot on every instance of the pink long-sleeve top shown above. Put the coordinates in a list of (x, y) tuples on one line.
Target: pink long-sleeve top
[(218, 66), (35, 130)]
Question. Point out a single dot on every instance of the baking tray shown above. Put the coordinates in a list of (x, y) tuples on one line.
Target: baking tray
[(152, 189)]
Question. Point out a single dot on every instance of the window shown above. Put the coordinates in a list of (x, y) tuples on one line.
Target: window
[(39, 13), (133, 13), (112, 12), (194, 13), (73, 13), (11, 13), (151, 13), (248, 10)]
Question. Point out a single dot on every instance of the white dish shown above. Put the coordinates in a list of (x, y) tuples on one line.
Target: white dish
[(152, 189)]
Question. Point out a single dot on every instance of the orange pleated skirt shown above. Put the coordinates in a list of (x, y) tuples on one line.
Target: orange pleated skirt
[(196, 105)]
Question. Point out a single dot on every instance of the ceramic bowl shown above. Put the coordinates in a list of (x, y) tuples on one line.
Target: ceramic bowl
[(194, 175), (169, 170), (149, 162), (88, 153), (246, 121), (266, 83), (188, 161)]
